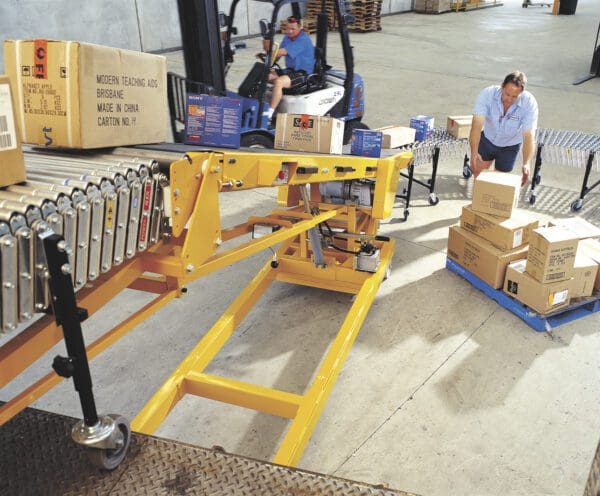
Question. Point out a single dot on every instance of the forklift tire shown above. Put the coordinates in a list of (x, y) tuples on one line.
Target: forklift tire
[(351, 126), (256, 140)]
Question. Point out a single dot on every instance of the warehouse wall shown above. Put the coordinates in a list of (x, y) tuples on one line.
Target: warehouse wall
[(147, 25)]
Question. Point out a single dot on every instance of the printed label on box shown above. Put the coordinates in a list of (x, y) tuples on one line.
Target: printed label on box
[(517, 238), (558, 297), (213, 121), (8, 139)]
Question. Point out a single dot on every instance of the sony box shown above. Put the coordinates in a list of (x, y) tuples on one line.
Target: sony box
[(543, 298), (480, 257), (459, 126), (213, 121), (366, 143), (505, 234), (496, 193), (12, 168), (309, 133), (551, 254), (423, 126), (396, 136), (79, 95)]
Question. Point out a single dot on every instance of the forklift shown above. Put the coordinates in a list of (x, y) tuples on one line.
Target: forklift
[(209, 52)]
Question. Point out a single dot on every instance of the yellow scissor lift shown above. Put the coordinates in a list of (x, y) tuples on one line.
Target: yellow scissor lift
[(192, 250)]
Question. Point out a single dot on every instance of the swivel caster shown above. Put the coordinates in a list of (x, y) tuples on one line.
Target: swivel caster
[(274, 264), (532, 198), (467, 172), (433, 199), (577, 205), (537, 179), (113, 431), (406, 212)]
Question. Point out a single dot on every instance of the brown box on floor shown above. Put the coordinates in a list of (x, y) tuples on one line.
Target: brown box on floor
[(459, 126), (506, 234), (309, 133), (551, 254), (432, 6), (591, 248), (480, 257), (543, 298), (12, 168), (496, 193), (585, 271), (79, 95)]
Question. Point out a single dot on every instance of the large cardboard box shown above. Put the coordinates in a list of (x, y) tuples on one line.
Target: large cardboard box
[(432, 6), (591, 248), (12, 168), (480, 257), (396, 136), (366, 143), (496, 193), (578, 226), (505, 234), (551, 254), (585, 270), (459, 126), (78, 95), (543, 298), (309, 133)]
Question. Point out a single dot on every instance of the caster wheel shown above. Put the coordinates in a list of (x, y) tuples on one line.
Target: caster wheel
[(274, 264), (404, 191), (577, 205), (433, 199), (467, 172), (532, 199), (537, 179), (406, 212), (109, 459)]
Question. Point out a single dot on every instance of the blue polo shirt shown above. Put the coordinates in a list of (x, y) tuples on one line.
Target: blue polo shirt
[(300, 53), (506, 129)]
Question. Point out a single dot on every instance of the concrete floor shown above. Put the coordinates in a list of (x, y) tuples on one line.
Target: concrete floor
[(444, 391)]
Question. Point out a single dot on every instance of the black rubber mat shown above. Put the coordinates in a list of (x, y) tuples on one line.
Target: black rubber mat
[(37, 457)]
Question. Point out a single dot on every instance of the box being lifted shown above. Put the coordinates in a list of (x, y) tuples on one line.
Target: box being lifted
[(79, 95), (12, 168)]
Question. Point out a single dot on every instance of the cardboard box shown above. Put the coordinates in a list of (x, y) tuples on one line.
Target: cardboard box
[(432, 6), (309, 133), (496, 193), (505, 234), (12, 168), (551, 254), (396, 136), (578, 226), (423, 126), (591, 248), (78, 95), (543, 298), (585, 271), (459, 126), (366, 143), (480, 257), (213, 120)]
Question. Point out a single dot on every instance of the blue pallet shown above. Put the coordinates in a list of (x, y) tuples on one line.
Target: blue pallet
[(540, 323)]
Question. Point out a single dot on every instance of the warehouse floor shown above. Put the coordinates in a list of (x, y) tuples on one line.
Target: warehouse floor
[(444, 392)]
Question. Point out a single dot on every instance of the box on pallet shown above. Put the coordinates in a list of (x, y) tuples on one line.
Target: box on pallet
[(309, 133), (480, 257), (213, 120), (505, 234), (585, 270), (12, 168), (591, 248), (78, 95), (496, 193), (396, 136), (543, 298), (432, 6), (366, 143), (459, 126), (551, 254), (578, 226), (423, 126)]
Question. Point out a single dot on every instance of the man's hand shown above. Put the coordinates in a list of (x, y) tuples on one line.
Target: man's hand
[(525, 176), (476, 165)]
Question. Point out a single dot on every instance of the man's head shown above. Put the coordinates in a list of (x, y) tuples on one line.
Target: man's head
[(294, 27), (512, 87)]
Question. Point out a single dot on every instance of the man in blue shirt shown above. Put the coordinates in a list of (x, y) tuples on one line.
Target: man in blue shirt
[(504, 117), (299, 53)]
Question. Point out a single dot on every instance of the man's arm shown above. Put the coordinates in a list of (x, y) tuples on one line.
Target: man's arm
[(474, 138), (528, 153)]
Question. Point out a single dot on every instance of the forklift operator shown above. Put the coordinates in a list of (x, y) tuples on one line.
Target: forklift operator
[(299, 55)]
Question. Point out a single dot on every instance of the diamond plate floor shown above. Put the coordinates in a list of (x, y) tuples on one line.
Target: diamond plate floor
[(38, 457)]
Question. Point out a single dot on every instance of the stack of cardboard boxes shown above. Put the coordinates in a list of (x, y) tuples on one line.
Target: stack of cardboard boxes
[(542, 267)]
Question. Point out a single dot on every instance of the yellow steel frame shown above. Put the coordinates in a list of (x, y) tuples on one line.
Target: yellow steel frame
[(193, 251)]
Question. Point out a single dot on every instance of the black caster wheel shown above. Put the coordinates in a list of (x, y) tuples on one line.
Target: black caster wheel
[(109, 459), (467, 172), (433, 199), (404, 191), (274, 264), (406, 212), (537, 179), (532, 199), (577, 205)]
